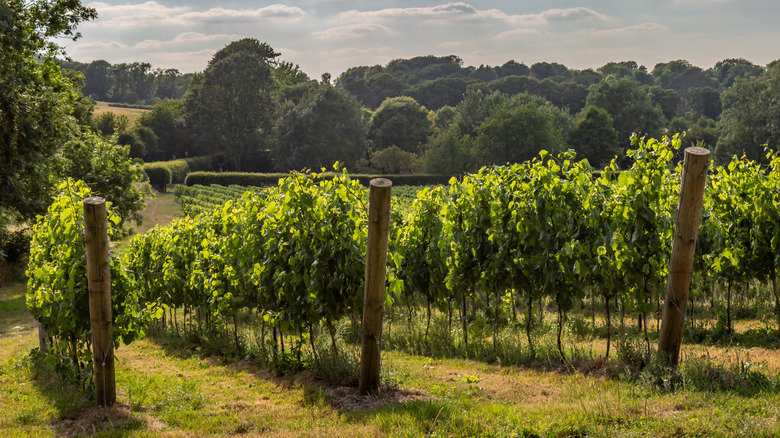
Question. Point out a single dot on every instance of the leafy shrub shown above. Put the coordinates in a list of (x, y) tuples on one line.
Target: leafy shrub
[(160, 176), (272, 179), (57, 291)]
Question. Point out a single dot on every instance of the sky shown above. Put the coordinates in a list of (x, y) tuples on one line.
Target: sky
[(334, 35)]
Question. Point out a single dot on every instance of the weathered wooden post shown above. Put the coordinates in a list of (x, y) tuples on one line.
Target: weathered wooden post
[(374, 295), (99, 280), (694, 175)]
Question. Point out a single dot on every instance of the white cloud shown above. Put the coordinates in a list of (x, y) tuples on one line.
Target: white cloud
[(353, 31), (185, 38), (571, 14), (153, 14), (185, 61), (461, 12), (517, 33), (628, 30)]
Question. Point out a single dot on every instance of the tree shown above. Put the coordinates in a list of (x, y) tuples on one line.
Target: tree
[(36, 102), (629, 106), (166, 120), (230, 107), (97, 81), (393, 161), (402, 122), (544, 70), (517, 134), (106, 168), (705, 101), (749, 121), (319, 126), (449, 152), (594, 138), (670, 102), (512, 68), (680, 75), (726, 72)]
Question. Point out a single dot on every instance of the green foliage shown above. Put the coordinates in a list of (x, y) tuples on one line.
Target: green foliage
[(57, 293), (106, 168), (516, 134), (108, 124), (294, 253), (37, 101), (230, 105), (321, 126), (594, 137), (271, 179), (748, 122), (401, 122), (629, 106), (160, 175), (166, 121), (393, 161)]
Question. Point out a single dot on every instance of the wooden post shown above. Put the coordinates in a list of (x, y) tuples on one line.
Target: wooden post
[(686, 230), (374, 295), (99, 280)]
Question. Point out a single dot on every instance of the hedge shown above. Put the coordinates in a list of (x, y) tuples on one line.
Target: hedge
[(178, 169), (271, 179), (160, 175)]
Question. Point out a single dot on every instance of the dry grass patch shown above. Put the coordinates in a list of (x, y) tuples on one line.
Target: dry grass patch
[(132, 113)]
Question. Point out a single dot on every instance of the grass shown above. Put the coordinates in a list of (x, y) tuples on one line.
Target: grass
[(171, 387), (132, 113), (167, 387)]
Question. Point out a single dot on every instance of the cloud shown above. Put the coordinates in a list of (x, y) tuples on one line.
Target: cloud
[(571, 14), (461, 12), (628, 30), (353, 31), (153, 14), (185, 38), (517, 33)]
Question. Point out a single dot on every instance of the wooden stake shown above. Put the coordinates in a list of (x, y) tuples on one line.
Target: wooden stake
[(374, 295), (99, 278), (694, 176)]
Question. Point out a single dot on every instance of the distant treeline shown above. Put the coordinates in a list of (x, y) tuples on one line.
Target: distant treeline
[(133, 83), (431, 114)]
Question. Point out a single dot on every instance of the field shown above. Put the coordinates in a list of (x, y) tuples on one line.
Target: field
[(132, 113), (176, 384)]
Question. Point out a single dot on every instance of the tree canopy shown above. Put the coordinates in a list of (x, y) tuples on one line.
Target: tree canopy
[(230, 106), (399, 121), (36, 102), (319, 126)]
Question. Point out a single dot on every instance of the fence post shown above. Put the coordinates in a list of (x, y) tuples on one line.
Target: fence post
[(694, 176), (99, 280), (374, 295)]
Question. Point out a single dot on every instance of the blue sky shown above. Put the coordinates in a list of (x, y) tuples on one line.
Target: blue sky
[(333, 35)]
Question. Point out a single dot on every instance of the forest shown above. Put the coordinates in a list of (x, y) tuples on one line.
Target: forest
[(428, 114)]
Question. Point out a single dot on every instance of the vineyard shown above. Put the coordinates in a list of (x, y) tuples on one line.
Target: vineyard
[(474, 268)]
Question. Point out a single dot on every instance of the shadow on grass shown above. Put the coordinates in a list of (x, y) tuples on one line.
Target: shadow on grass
[(76, 413), (13, 309)]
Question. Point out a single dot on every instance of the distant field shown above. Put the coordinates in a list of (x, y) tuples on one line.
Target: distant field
[(131, 113)]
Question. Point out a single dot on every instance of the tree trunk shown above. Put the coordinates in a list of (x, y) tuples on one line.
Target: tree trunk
[(776, 290), (428, 322), (609, 324), (728, 308), (465, 325), (560, 329), (235, 334), (332, 331), (528, 323), (311, 341)]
